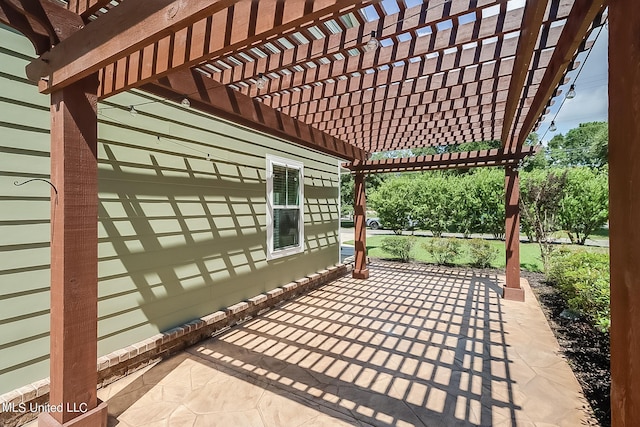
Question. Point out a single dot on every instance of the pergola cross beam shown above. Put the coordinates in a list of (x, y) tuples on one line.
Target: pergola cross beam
[(462, 160)]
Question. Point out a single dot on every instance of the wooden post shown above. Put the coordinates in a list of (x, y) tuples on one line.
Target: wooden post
[(624, 210), (360, 270), (512, 289), (74, 258)]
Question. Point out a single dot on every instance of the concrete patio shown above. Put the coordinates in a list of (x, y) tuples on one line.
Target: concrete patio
[(412, 346)]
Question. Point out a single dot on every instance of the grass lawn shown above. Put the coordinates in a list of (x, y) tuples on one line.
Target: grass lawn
[(530, 258), (599, 234)]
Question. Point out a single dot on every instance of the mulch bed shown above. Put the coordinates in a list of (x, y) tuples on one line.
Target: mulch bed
[(586, 349)]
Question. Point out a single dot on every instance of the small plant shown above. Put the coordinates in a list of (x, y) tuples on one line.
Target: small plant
[(444, 251), (481, 253), (399, 247), (583, 279)]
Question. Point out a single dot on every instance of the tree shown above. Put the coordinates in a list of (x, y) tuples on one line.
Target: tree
[(540, 196), (586, 145), (537, 161), (432, 203), (465, 205), (393, 200), (347, 186), (489, 187), (585, 205), (346, 194)]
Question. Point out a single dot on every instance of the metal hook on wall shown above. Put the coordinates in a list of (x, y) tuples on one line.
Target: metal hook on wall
[(18, 184)]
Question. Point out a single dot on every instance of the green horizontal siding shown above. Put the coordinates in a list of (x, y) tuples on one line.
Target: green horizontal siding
[(182, 220)]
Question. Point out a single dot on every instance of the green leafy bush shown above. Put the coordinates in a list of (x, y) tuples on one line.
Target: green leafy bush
[(481, 253), (584, 207), (399, 247), (394, 201), (443, 250), (583, 279)]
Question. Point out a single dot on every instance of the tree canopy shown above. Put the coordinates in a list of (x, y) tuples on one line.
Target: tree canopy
[(586, 145)]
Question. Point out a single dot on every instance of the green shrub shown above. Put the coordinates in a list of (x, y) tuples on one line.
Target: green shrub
[(444, 251), (399, 247), (583, 279), (481, 253)]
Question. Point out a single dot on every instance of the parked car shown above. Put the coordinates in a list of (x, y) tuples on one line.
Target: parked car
[(374, 223)]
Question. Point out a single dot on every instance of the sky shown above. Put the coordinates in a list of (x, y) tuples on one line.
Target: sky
[(591, 101)]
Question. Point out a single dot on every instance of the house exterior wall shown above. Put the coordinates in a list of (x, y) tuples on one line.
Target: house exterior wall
[(182, 217)]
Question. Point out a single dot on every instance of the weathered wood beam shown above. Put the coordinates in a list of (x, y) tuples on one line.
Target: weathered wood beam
[(582, 15), (215, 98), (466, 159), (530, 29)]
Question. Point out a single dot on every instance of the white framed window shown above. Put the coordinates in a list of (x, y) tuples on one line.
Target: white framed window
[(285, 207)]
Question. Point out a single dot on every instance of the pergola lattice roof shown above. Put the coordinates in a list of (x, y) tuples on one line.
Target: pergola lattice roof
[(441, 75), (446, 71)]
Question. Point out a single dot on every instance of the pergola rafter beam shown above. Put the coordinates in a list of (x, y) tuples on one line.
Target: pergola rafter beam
[(531, 25), (409, 121), (362, 89), (411, 20), (432, 44), (218, 99), (322, 112), (438, 42), (115, 35), (456, 68)]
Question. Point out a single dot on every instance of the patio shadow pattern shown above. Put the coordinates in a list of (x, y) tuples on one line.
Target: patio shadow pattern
[(414, 345)]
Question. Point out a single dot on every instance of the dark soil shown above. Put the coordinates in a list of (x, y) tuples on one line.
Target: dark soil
[(586, 349)]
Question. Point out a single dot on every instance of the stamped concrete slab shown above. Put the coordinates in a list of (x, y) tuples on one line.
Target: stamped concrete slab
[(411, 346)]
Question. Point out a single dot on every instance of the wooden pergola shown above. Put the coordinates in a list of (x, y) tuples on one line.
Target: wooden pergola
[(443, 72)]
